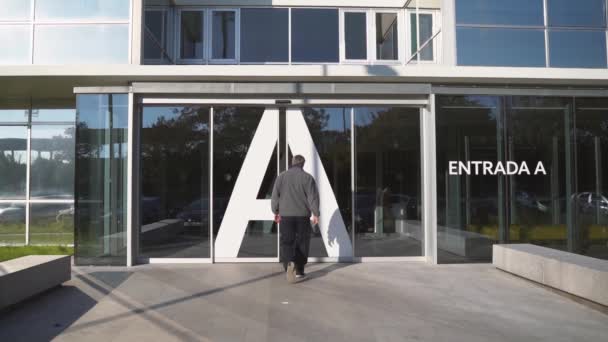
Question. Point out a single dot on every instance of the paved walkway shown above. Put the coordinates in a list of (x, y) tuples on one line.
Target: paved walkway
[(340, 302)]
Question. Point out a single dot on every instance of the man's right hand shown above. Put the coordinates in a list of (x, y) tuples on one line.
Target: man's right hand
[(277, 218), (315, 220)]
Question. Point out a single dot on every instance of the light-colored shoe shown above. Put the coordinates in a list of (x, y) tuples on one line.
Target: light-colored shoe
[(291, 273)]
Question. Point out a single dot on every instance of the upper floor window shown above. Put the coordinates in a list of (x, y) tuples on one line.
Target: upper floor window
[(421, 36), (223, 35), (285, 35), (82, 9), (16, 10), (264, 35), (531, 33), (387, 36), (65, 31), (500, 12), (314, 35)]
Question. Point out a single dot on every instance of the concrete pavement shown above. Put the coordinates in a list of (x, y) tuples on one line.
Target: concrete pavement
[(339, 302)]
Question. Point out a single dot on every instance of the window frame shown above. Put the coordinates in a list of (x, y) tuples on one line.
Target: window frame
[(208, 45), (178, 36), (400, 33), (436, 42), (342, 32)]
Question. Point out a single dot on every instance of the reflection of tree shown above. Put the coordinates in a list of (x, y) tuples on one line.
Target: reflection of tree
[(174, 152), (52, 170), (12, 170)]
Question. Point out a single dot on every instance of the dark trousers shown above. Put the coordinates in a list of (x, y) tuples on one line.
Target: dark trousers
[(295, 241)]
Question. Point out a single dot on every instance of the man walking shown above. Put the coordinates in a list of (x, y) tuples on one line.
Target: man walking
[(294, 198)]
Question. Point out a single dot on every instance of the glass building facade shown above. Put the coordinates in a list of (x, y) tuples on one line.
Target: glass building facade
[(184, 116), (561, 208), (37, 174)]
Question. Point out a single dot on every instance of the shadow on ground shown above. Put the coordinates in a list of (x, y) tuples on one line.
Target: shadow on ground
[(47, 315)]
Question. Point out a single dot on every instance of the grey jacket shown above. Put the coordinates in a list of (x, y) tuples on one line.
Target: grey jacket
[(295, 194)]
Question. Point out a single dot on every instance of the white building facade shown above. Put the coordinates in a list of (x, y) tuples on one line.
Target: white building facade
[(151, 131)]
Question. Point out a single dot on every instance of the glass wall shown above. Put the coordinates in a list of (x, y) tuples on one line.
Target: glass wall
[(234, 128), (388, 197), (101, 196), (175, 182), (39, 142), (65, 32), (330, 129), (500, 33), (282, 35), (550, 190)]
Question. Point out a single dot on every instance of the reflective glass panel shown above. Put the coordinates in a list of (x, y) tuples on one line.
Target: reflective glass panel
[(587, 13), (537, 131), (175, 182), (81, 44), (154, 34), (54, 115), (577, 49), (388, 203), (13, 160), (101, 179), (500, 12), (16, 41), (234, 128), (82, 9), (192, 35), (52, 162), (12, 223), (223, 41), (14, 115), (330, 131), (315, 35), (355, 35), (470, 207), (590, 201), (387, 36), (426, 32), (51, 224), (264, 35), (15, 10), (500, 47)]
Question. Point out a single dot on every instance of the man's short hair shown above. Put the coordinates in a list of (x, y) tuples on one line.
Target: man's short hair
[(298, 160)]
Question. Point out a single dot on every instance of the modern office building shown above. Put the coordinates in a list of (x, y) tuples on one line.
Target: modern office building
[(151, 131)]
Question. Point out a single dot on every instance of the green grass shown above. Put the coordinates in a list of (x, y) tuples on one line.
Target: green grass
[(8, 253)]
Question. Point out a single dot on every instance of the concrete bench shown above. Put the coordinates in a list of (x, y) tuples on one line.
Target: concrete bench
[(27, 276), (464, 243), (579, 275)]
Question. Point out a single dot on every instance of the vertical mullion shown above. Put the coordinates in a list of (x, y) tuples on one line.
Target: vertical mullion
[(32, 26), (546, 28), (130, 181), (352, 177), (211, 194), (289, 35), (28, 171)]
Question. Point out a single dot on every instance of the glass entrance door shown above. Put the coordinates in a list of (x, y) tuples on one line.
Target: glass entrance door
[(207, 173)]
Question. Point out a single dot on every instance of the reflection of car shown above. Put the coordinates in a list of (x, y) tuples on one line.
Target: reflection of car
[(65, 213), (13, 213), (530, 201), (590, 202), (198, 211)]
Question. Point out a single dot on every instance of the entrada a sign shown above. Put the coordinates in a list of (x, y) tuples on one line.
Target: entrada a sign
[(244, 205), (510, 168)]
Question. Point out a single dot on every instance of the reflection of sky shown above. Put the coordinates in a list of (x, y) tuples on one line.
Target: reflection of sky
[(48, 132), (13, 115), (337, 120), (153, 114), (54, 115)]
